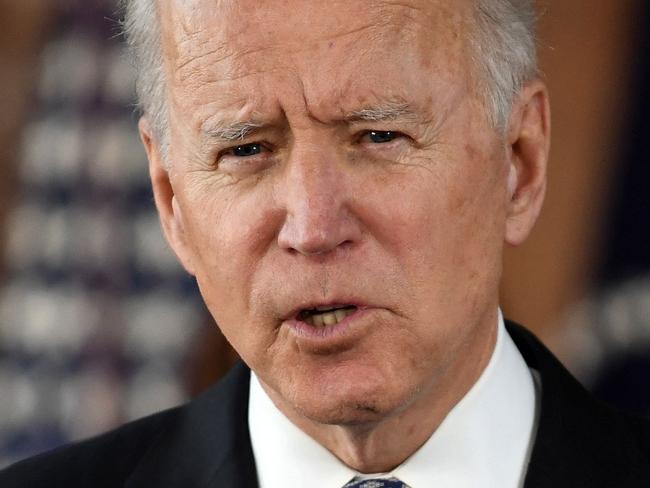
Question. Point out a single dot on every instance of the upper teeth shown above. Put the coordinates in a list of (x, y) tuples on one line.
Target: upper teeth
[(327, 316)]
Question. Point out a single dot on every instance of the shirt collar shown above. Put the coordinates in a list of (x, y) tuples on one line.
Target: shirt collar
[(483, 442), (286, 456)]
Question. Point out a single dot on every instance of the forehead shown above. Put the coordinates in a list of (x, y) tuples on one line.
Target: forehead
[(338, 46), (235, 17)]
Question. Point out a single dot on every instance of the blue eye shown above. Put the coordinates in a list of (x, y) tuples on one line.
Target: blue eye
[(247, 150), (382, 136)]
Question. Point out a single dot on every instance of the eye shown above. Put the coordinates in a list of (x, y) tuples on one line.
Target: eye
[(245, 158), (381, 136), (247, 150)]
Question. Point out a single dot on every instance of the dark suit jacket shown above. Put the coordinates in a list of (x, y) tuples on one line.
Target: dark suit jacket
[(580, 442)]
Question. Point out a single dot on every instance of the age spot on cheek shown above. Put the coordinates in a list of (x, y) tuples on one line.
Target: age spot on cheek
[(470, 151)]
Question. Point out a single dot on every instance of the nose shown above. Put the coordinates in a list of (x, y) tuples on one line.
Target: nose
[(317, 194)]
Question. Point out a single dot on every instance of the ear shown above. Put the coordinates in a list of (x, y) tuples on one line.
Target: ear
[(529, 142), (169, 210)]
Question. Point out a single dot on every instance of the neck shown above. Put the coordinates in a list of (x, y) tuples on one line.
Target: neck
[(382, 445)]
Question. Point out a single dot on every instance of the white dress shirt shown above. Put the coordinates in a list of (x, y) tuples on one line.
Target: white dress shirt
[(484, 441)]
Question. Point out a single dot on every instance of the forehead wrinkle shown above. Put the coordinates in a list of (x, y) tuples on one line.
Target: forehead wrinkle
[(231, 46), (194, 47), (191, 66), (373, 26), (239, 69)]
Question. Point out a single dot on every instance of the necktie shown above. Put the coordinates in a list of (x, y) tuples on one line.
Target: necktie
[(376, 483)]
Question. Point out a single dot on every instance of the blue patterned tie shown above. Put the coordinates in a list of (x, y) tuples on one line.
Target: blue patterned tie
[(376, 483)]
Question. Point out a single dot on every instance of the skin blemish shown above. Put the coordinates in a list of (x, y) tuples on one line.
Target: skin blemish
[(470, 151)]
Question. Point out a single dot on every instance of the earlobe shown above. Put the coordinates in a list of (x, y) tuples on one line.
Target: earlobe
[(169, 210), (528, 138)]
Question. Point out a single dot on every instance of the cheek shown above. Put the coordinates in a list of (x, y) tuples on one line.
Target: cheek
[(229, 232), (445, 225), (475, 222)]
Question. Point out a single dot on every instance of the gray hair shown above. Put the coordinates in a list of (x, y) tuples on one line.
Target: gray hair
[(503, 41), (141, 27), (505, 46)]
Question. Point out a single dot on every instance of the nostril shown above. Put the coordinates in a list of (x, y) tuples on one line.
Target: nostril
[(346, 244)]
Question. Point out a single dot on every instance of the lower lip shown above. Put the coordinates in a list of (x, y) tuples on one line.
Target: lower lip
[(327, 334)]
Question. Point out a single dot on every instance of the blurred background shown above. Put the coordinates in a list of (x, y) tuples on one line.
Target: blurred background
[(99, 325)]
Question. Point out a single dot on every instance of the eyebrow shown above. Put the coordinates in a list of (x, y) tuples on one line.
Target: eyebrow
[(225, 132), (231, 132), (382, 112)]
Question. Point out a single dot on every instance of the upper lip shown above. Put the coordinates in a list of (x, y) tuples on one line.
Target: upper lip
[(293, 314)]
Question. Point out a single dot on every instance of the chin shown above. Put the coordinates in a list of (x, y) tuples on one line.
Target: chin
[(349, 403), (347, 412)]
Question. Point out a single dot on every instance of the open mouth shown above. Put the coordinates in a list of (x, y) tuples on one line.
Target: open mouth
[(324, 316)]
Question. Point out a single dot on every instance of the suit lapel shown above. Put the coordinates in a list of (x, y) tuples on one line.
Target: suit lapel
[(207, 444), (579, 441)]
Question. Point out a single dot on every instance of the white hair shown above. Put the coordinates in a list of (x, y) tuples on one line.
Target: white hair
[(505, 46), (142, 30), (503, 41)]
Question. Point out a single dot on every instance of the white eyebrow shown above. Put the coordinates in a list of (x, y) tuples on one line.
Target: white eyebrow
[(231, 132), (389, 111), (237, 131)]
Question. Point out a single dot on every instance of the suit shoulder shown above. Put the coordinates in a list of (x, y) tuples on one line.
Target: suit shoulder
[(164, 446), (640, 429), (580, 440), (102, 461)]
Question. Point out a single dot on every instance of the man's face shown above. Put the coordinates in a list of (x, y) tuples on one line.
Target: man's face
[(367, 180)]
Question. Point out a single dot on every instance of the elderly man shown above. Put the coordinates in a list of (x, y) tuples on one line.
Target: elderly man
[(341, 177)]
